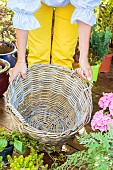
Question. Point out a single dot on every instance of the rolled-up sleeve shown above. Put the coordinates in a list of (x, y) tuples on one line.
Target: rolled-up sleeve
[(24, 13), (84, 11)]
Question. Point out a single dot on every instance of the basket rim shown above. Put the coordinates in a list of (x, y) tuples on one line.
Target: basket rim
[(62, 68), (42, 133)]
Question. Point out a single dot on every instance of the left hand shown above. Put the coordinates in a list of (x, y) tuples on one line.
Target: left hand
[(85, 71)]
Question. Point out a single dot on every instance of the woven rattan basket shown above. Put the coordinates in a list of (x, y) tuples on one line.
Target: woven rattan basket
[(51, 104)]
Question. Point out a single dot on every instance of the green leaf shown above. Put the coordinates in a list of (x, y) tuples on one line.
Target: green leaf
[(3, 144), (19, 146)]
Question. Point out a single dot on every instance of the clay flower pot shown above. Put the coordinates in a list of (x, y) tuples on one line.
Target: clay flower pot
[(106, 63), (4, 76)]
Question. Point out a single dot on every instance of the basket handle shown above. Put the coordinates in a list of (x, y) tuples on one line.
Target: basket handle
[(75, 73)]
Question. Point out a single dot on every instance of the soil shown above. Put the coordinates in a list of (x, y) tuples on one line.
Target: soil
[(5, 48)]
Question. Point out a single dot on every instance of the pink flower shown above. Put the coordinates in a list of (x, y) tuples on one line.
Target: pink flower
[(111, 108), (103, 103), (110, 121), (105, 100), (102, 118), (111, 112), (100, 121)]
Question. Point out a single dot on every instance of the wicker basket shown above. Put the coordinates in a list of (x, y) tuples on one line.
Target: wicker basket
[(51, 104)]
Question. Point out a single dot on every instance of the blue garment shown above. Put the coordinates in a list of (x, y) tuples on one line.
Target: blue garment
[(24, 10)]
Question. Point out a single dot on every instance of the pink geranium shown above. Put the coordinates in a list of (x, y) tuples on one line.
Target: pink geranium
[(100, 121), (103, 118), (105, 100), (111, 108)]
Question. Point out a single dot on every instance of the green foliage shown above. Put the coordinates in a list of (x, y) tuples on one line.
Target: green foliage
[(99, 43), (23, 141), (31, 162), (7, 32), (56, 156), (3, 144), (98, 156), (1, 163), (53, 153), (12, 138), (105, 14)]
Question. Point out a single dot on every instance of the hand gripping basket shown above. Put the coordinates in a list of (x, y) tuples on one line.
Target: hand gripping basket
[(51, 104)]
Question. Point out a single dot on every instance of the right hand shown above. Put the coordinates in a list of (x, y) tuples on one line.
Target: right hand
[(85, 71), (20, 68)]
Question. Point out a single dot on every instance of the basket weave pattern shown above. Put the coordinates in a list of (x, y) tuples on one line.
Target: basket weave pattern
[(51, 104)]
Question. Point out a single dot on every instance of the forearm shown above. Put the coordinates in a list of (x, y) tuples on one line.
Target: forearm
[(22, 36), (84, 39)]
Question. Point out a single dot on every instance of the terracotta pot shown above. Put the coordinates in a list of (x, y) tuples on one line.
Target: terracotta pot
[(106, 63), (4, 76), (8, 52)]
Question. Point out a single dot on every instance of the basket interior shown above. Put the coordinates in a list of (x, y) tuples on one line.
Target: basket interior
[(49, 99)]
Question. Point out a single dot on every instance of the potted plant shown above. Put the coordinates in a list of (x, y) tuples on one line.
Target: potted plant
[(99, 43), (105, 19), (7, 35), (28, 150), (103, 119), (9, 141), (4, 76)]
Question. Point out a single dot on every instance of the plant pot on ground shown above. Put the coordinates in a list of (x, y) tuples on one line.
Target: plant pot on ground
[(40, 155), (95, 71), (10, 140), (7, 151), (106, 63), (99, 44), (105, 19), (4, 76), (8, 52)]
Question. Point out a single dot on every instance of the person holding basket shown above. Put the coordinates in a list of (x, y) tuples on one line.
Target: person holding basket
[(51, 28)]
